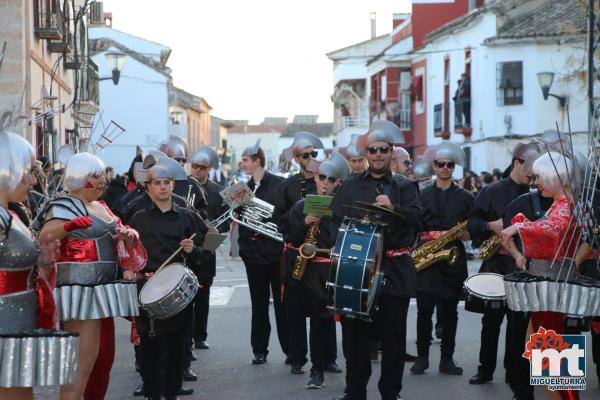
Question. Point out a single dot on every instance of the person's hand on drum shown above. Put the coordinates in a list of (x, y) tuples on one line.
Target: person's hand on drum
[(312, 219), (384, 201), (187, 245)]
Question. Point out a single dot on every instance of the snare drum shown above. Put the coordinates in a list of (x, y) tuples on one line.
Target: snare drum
[(355, 278), (484, 292), (169, 291)]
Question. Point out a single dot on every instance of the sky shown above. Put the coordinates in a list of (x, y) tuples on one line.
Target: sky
[(255, 59)]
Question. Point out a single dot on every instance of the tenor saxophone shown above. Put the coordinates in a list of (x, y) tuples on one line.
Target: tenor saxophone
[(307, 250), (433, 251), (490, 247)]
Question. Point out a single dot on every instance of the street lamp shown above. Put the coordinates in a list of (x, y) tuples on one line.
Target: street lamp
[(115, 61), (545, 80)]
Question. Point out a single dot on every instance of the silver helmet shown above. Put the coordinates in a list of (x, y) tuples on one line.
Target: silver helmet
[(450, 151), (158, 158), (252, 150), (335, 166), (422, 168), (352, 149), (384, 131), (175, 147), (302, 140), (206, 156)]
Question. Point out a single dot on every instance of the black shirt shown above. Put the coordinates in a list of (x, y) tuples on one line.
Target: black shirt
[(490, 205), (442, 210), (161, 232), (216, 205), (400, 279), (143, 201), (254, 247), (192, 188), (292, 189)]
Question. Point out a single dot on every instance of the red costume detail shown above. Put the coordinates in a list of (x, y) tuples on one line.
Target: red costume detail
[(391, 253), (78, 250), (542, 238), (431, 235), (77, 223), (14, 281), (46, 306)]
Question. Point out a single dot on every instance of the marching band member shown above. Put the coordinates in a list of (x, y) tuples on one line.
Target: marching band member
[(355, 155), (377, 185), (307, 296), (27, 312), (445, 205), (201, 162), (297, 186), (401, 162), (261, 256), (87, 268), (543, 239), (163, 227), (486, 220)]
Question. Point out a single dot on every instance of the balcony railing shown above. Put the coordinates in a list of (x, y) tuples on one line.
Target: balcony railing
[(355, 122), (403, 120), (48, 20), (462, 113), (61, 46), (91, 90)]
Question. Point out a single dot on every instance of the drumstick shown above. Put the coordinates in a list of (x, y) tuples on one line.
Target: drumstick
[(173, 255)]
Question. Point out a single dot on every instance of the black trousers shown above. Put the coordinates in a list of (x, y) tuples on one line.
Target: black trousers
[(517, 367), (491, 322), (390, 326), (447, 315), (201, 306), (169, 347), (322, 337), (262, 281)]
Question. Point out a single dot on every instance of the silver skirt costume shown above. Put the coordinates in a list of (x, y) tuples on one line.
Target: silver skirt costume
[(29, 356), (86, 285), (557, 289)]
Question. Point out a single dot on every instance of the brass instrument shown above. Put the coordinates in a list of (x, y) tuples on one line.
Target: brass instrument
[(490, 247), (252, 215), (307, 250), (433, 251)]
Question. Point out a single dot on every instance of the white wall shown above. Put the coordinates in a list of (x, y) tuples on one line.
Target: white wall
[(488, 118), (237, 142), (139, 103)]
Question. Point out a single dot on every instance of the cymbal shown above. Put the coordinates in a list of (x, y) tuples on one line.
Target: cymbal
[(377, 209)]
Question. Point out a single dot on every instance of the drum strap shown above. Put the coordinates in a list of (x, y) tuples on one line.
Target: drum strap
[(534, 194)]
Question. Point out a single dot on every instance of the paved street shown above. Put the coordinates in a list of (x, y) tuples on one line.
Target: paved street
[(225, 371)]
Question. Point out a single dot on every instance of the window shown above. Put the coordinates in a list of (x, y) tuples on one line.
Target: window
[(510, 83), (417, 88), (437, 118)]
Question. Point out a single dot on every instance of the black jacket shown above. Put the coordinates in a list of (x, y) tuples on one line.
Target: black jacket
[(400, 278), (292, 189), (256, 248), (442, 210)]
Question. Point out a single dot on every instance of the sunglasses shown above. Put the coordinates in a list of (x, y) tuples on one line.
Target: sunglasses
[(308, 154), (331, 179), (199, 166), (442, 164), (381, 149), (408, 163), (180, 159)]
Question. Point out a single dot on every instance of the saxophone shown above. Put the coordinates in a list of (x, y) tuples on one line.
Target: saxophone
[(307, 250), (490, 247), (433, 251)]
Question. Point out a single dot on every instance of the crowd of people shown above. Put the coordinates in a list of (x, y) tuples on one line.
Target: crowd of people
[(80, 245)]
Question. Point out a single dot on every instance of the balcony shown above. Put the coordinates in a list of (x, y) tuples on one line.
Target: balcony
[(60, 46), (354, 122), (462, 115), (48, 21)]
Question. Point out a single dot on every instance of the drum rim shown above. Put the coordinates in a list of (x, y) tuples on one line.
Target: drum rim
[(172, 265), (478, 295)]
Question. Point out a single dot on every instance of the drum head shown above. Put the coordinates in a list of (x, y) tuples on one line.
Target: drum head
[(162, 283), (486, 285)]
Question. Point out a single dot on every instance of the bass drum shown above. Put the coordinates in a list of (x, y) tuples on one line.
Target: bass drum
[(355, 278)]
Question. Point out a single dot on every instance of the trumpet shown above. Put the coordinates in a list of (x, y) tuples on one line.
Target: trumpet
[(252, 215)]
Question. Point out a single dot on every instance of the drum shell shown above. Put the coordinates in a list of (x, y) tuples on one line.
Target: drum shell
[(355, 277), (176, 300), (480, 302)]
